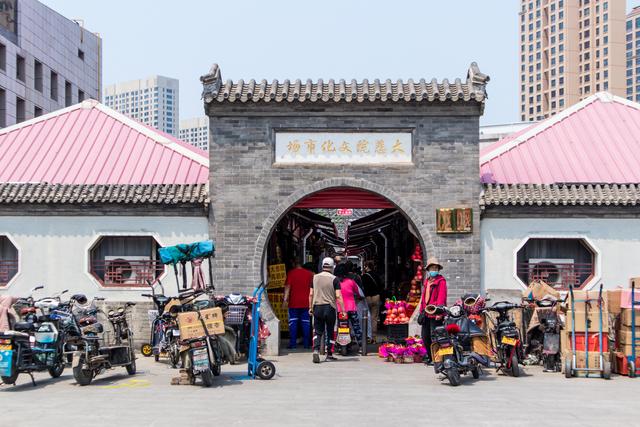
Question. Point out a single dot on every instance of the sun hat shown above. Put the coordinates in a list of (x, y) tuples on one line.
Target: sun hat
[(433, 261)]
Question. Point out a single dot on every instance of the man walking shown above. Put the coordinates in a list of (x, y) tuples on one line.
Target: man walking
[(296, 297), (322, 300)]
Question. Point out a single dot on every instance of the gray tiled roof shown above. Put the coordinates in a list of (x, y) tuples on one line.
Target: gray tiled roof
[(560, 195), (154, 194), (215, 90)]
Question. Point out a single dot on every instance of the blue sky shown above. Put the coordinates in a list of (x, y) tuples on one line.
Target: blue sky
[(307, 39)]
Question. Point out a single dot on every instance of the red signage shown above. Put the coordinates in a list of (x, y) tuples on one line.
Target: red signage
[(345, 212)]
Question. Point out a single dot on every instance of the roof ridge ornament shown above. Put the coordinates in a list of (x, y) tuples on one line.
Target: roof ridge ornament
[(211, 83), (477, 78)]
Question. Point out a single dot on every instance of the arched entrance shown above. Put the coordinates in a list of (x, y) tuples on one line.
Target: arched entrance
[(352, 221)]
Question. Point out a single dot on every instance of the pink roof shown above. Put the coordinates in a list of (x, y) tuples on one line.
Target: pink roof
[(89, 143), (594, 141)]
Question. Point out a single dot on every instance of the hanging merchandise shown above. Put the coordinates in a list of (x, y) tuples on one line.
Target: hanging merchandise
[(413, 350)]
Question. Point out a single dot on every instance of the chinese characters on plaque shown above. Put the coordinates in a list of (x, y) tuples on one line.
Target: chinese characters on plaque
[(454, 220), (277, 276), (343, 148)]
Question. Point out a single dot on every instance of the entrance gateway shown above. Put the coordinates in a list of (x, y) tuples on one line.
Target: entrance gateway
[(277, 147)]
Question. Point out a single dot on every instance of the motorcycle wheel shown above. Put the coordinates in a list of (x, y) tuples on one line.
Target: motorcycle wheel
[(515, 369), (344, 350), (14, 371), (453, 376), (266, 370), (174, 356), (207, 378), (146, 350), (475, 372), (56, 370), (83, 376), (131, 367), (217, 370), (632, 369)]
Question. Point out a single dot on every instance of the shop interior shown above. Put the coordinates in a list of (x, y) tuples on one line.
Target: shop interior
[(347, 225)]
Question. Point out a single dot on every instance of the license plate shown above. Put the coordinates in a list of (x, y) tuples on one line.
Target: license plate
[(343, 330), (200, 360), (445, 351), (5, 347), (509, 341)]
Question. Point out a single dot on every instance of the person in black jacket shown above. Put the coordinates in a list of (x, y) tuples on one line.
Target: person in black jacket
[(372, 290)]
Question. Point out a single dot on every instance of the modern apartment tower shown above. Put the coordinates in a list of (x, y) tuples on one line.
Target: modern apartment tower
[(47, 61), (152, 101), (633, 55), (195, 131), (569, 49)]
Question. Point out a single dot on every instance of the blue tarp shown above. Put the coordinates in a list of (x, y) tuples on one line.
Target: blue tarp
[(186, 252)]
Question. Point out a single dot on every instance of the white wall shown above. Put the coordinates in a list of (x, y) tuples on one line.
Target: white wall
[(616, 240), (54, 250)]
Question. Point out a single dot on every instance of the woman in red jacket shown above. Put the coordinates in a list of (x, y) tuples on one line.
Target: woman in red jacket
[(434, 292)]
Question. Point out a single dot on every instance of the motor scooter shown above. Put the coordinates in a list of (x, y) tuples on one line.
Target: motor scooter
[(344, 340), (452, 348), (544, 339), (36, 343), (507, 342), (91, 356), (165, 333)]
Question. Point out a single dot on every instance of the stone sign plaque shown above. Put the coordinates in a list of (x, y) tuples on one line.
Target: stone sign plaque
[(454, 220), (334, 148)]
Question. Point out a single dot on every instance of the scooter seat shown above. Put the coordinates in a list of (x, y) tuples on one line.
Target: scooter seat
[(24, 326), (96, 328)]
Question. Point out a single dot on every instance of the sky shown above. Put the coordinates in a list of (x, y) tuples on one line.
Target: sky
[(349, 39)]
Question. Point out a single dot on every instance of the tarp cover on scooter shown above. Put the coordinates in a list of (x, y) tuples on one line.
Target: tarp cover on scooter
[(186, 252)]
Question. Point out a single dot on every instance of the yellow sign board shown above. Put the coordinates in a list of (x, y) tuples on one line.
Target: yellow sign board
[(277, 275)]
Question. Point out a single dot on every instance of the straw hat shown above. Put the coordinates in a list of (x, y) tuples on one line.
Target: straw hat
[(433, 261)]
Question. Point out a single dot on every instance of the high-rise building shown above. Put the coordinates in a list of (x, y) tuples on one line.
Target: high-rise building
[(195, 131), (569, 49), (633, 54), (152, 101), (47, 61)]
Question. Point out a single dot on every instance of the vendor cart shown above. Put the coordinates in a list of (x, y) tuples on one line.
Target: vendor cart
[(570, 364)]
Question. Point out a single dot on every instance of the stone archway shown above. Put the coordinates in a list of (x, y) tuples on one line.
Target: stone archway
[(285, 205)]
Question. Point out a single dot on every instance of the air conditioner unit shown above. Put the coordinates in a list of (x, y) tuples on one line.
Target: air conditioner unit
[(549, 269), (126, 269)]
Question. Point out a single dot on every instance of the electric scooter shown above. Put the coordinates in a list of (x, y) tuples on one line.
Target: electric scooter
[(507, 343)]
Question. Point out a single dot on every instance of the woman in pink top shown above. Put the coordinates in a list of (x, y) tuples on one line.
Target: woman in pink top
[(350, 292)]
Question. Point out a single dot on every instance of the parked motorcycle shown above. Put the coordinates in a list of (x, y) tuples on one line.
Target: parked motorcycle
[(92, 357), (205, 356), (452, 347), (36, 343), (507, 342), (165, 334), (544, 340), (237, 315), (344, 340)]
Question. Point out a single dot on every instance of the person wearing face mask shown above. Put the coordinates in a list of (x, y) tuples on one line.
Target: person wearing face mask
[(434, 292)]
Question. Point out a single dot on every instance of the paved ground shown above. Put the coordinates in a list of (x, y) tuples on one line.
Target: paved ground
[(349, 392)]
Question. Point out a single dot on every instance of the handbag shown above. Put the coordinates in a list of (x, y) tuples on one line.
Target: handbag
[(421, 318)]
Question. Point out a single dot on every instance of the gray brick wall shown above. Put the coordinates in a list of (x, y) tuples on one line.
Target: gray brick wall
[(249, 195)]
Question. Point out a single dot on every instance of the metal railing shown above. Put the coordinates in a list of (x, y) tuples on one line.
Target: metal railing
[(8, 269), (557, 275), (126, 273)]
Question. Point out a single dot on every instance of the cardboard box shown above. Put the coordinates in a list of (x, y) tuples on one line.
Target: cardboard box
[(581, 359), (481, 346), (590, 295), (593, 321), (625, 338), (625, 318), (613, 301), (636, 281), (538, 290), (191, 326), (620, 363), (565, 344), (592, 340)]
